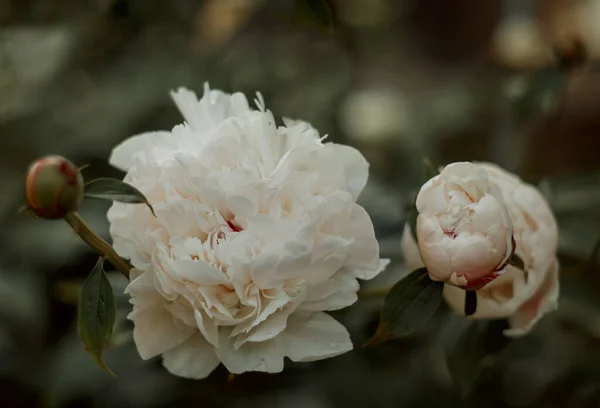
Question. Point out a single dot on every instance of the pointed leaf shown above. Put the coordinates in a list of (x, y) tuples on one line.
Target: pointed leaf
[(116, 190), (407, 306), (412, 214), (96, 314), (517, 262), (471, 349)]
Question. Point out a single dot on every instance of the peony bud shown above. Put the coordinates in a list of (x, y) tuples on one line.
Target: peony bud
[(464, 230), (53, 187), (523, 296)]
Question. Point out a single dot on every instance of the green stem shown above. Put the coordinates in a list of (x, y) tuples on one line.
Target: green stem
[(99, 245)]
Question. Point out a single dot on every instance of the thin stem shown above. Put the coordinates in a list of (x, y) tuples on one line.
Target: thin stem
[(96, 243)]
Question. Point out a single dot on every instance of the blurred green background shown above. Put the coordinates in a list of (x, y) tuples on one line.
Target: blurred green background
[(399, 79)]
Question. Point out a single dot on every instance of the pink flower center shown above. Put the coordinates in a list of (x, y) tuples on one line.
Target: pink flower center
[(451, 233)]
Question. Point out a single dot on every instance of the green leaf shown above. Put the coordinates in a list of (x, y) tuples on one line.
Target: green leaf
[(472, 349), (116, 190), (412, 214), (96, 314), (517, 262), (409, 303), (318, 13)]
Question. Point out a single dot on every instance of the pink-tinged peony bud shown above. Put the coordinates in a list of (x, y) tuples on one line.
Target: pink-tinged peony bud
[(53, 187), (521, 296), (464, 230)]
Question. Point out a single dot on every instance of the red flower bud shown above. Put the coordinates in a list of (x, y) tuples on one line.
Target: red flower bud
[(54, 187)]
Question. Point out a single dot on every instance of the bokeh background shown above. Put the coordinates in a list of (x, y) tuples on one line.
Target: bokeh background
[(399, 79)]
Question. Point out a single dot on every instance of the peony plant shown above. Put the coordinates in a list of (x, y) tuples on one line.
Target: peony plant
[(249, 233)]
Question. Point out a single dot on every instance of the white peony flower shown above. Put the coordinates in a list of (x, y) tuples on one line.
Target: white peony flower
[(463, 227), (522, 297), (257, 234)]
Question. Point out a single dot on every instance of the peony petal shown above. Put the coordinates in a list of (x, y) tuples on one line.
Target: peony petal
[(314, 336), (353, 164), (337, 292), (199, 272), (432, 247), (410, 249), (542, 302), (155, 330), (122, 155), (363, 254), (266, 356), (193, 359), (207, 327), (366, 274), (270, 328)]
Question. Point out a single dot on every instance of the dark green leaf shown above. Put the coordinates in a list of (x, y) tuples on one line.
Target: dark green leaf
[(318, 13), (409, 303), (470, 351), (470, 302), (517, 262), (96, 314), (412, 214), (116, 190)]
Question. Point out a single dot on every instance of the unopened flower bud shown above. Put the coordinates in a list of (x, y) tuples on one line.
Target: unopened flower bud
[(54, 187), (464, 229)]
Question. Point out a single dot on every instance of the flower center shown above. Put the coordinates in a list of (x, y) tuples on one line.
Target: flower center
[(450, 233), (233, 226)]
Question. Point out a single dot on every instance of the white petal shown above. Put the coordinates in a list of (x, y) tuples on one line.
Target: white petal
[(410, 249), (314, 336), (272, 326), (155, 330), (363, 255), (354, 165), (208, 328), (187, 103), (337, 292), (122, 155), (193, 359), (266, 356), (542, 302), (199, 272)]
